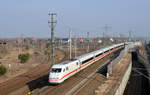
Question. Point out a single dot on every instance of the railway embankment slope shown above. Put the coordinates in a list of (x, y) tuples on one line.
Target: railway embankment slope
[(117, 81), (139, 82)]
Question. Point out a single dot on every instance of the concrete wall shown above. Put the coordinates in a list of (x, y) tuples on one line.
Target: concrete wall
[(122, 85)]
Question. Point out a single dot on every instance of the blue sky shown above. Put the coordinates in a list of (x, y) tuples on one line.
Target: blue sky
[(30, 17)]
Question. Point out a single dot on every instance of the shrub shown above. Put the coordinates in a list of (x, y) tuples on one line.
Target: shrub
[(3, 70), (24, 57), (45, 52), (27, 47), (36, 53)]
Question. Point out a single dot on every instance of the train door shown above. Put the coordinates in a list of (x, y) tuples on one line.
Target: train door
[(79, 65)]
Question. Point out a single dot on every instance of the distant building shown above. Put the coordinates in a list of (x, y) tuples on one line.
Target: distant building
[(111, 39), (11, 40), (81, 40), (98, 40), (120, 39), (18, 40), (65, 40)]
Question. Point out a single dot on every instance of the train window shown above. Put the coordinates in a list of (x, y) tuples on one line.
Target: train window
[(87, 60), (98, 55), (56, 70), (106, 51), (77, 63), (64, 70), (67, 68)]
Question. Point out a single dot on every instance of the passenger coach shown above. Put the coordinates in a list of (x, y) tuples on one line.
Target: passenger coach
[(60, 72)]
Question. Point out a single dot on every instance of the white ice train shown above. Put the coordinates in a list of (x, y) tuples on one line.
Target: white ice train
[(60, 72)]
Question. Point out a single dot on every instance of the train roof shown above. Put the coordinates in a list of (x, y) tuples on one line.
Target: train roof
[(85, 56), (63, 64), (95, 52)]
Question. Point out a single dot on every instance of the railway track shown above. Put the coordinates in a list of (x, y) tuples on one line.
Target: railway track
[(37, 81), (26, 82), (74, 84), (71, 82), (22, 81)]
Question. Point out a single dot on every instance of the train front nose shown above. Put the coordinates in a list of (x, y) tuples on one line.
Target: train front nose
[(54, 75), (54, 78)]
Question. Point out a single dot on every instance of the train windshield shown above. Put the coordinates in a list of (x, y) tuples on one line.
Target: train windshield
[(56, 70)]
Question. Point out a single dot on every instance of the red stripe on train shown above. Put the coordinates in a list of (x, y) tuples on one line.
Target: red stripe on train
[(85, 64)]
